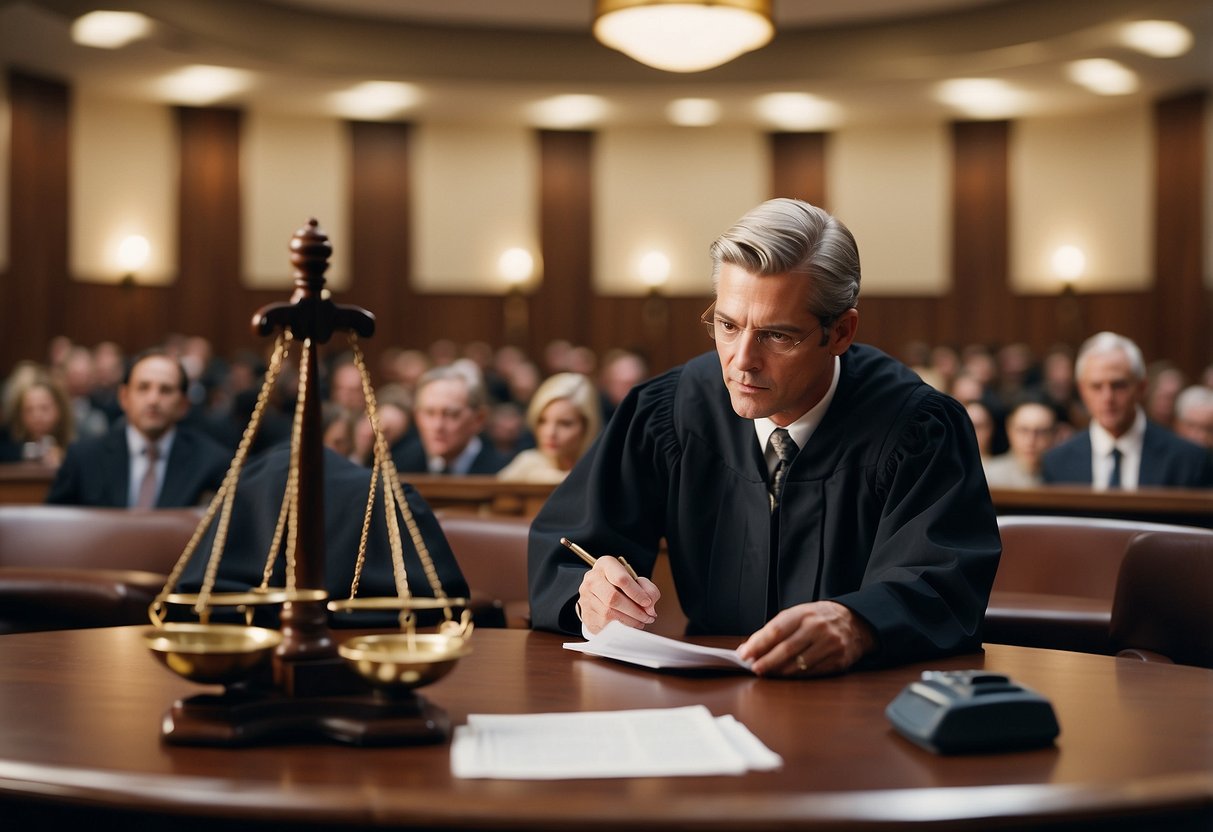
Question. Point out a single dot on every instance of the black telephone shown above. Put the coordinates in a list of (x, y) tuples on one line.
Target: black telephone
[(959, 711)]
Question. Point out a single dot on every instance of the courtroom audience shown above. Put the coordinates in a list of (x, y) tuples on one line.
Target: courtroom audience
[(39, 426), (450, 412), (565, 416), (77, 377), (983, 427), (1194, 415), (1030, 429), (149, 459), (1165, 381), (1122, 448), (337, 429), (621, 371)]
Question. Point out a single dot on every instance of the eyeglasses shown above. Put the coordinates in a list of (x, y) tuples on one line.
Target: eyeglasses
[(771, 340)]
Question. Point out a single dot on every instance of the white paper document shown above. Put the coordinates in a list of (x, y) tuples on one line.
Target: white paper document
[(660, 742), (628, 644)]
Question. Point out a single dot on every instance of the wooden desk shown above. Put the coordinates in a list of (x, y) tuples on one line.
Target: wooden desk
[(24, 482), (1182, 506), (79, 742)]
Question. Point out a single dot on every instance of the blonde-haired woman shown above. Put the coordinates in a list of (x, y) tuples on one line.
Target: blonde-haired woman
[(565, 415)]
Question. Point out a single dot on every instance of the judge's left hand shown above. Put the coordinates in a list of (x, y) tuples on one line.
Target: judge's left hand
[(812, 639)]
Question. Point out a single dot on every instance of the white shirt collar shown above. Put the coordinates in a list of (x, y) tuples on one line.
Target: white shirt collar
[(463, 462), (137, 443), (802, 429), (1130, 444)]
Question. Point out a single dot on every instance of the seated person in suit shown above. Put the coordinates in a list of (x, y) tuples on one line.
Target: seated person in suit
[(1031, 427), (146, 460), (1121, 448), (259, 496), (450, 413), (1194, 415)]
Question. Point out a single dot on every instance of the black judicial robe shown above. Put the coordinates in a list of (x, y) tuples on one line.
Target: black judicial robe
[(255, 515), (886, 510)]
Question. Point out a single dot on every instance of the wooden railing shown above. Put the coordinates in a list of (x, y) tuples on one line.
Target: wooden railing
[(26, 483)]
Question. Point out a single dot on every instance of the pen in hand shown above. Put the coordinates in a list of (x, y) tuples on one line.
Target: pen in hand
[(591, 560)]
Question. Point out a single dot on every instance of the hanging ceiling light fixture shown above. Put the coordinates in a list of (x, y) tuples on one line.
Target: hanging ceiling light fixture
[(683, 35)]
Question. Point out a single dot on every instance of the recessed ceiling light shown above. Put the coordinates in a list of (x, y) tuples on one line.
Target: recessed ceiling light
[(1158, 38), (1103, 76), (981, 97), (798, 111), (202, 85), (693, 112), (375, 99), (110, 30), (568, 112)]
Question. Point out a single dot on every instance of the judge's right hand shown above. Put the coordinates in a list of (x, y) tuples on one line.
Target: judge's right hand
[(609, 593)]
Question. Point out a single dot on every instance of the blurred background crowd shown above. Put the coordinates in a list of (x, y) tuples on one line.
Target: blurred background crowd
[(535, 415)]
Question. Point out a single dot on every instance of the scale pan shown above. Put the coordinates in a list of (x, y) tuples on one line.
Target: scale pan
[(402, 660), (211, 653)]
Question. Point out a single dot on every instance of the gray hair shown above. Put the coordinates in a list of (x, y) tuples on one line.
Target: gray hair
[(1102, 343), (1193, 397), (477, 396), (788, 235)]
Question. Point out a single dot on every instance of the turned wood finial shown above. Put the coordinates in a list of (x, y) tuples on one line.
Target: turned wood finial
[(310, 253)]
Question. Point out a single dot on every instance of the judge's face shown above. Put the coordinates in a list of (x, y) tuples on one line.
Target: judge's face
[(444, 418), (761, 381), (153, 400), (1109, 390)]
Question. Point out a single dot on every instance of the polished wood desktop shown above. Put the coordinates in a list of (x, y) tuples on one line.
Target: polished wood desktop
[(80, 741)]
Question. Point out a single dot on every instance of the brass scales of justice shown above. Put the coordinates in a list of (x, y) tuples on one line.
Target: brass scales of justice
[(297, 683)]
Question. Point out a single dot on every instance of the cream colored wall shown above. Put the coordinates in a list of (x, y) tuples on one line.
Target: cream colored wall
[(476, 196), (891, 187), (123, 180), (1085, 182), (674, 191), (292, 169)]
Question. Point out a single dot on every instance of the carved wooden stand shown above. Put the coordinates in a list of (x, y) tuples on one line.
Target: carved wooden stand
[(313, 694)]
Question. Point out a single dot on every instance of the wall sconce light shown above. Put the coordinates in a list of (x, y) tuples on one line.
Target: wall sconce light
[(1069, 263), (133, 254), (654, 271), (516, 266)]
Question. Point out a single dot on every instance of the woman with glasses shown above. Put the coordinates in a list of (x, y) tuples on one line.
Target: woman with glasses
[(814, 495)]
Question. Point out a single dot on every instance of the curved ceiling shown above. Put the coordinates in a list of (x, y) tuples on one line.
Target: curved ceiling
[(488, 61)]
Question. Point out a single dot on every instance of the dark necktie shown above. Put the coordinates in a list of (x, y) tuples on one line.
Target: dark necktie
[(147, 487), (785, 449), (1114, 479)]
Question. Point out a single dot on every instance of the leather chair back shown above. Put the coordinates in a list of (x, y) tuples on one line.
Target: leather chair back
[(491, 552), (1163, 607)]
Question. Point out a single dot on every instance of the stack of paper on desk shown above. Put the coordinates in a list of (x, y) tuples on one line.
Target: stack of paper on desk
[(643, 743), (627, 644)]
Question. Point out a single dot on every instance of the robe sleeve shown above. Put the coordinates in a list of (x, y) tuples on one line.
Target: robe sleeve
[(614, 502), (936, 547)]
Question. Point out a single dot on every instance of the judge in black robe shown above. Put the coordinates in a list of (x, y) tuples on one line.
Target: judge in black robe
[(885, 539), (255, 515), (885, 511)]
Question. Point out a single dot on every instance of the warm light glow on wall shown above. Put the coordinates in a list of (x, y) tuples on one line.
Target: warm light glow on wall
[(568, 112), (516, 266), (1103, 77), (654, 269), (201, 85), (133, 253), (693, 112), (982, 97), (1069, 263), (375, 100), (798, 111)]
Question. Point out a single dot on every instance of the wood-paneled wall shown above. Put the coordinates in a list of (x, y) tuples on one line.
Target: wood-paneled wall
[(38, 300)]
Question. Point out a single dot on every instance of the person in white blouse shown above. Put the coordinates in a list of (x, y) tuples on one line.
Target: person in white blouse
[(564, 415)]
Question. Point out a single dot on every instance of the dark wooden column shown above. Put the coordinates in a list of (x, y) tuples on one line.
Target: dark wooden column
[(798, 167), (562, 305), (33, 293), (209, 222), (381, 227), (979, 307), (1183, 304)]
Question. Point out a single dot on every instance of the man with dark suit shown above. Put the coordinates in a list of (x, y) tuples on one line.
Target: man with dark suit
[(1122, 449), (450, 412), (147, 460)]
